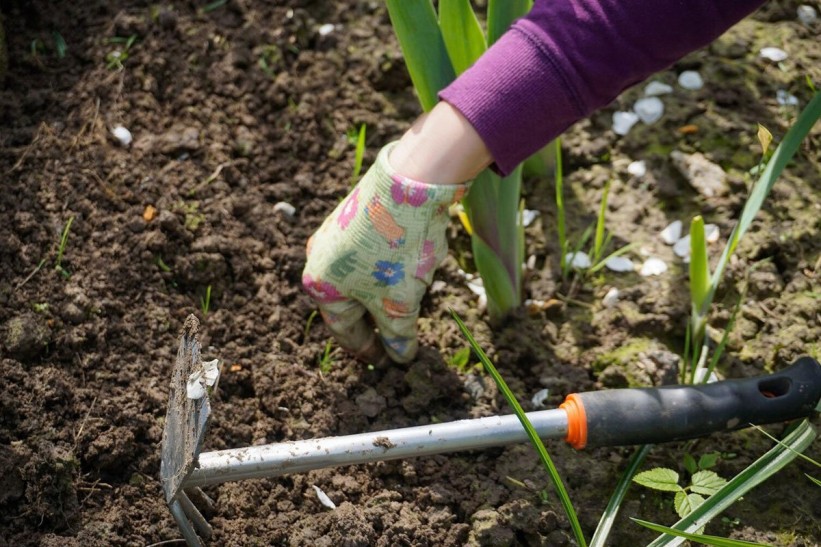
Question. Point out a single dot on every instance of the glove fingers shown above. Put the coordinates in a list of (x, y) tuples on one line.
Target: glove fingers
[(346, 321), (397, 330)]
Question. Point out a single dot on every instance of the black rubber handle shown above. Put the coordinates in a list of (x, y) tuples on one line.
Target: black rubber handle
[(672, 413)]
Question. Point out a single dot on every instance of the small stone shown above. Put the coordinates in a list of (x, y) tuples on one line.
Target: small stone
[(708, 178), (682, 247), (26, 337), (619, 264), (370, 403), (611, 298), (637, 168), (579, 260), (623, 122), (806, 14), (649, 109), (773, 54), (323, 498), (672, 232), (690, 79), (122, 135), (653, 266), (655, 88)]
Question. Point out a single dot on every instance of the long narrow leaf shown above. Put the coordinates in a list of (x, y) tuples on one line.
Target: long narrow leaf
[(598, 242), (699, 267), (423, 47), (770, 463), (501, 14), (608, 518), (700, 538), (531, 432), (463, 36), (561, 227), (502, 295)]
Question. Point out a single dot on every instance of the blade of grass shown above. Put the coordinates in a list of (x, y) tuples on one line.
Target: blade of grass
[(531, 432), (501, 14), (463, 36), (699, 267), (359, 154), (618, 252), (561, 226), (416, 28), (759, 471), (700, 538), (799, 454), (598, 241), (608, 518)]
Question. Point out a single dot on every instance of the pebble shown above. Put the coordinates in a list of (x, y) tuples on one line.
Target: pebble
[(690, 79), (657, 88), (637, 168), (711, 233), (579, 260), (653, 266), (619, 264), (122, 135), (611, 298), (773, 54), (649, 109), (623, 122), (806, 14), (672, 232)]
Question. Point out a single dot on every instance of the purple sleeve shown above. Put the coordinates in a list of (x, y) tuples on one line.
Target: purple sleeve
[(567, 58)]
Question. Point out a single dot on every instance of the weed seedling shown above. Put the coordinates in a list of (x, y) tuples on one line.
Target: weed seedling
[(308, 323), (357, 138), (115, 58), (702, 483), (326, 360), (205, 301), (61, 249)]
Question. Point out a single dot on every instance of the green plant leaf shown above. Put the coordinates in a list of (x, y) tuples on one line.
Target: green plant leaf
[(690, 464), (659, 478), (416, 28), (501, 14), (461, 358), (813, 479), (699, 267), (598, 240), (463, 36), (700, 538), (686, 503), (531, 432), (501, 294), (707, 482), (706, 461)]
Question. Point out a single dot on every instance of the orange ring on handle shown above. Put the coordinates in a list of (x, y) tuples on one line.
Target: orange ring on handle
[(576, 421)]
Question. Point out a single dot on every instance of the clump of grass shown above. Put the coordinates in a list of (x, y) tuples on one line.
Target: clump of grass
[(61, 248)]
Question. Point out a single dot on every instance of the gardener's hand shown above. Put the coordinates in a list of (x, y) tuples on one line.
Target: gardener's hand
[(376, 254)]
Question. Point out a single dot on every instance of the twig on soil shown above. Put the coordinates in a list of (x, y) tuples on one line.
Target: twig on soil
[(29, 148), (211, 178), (573, 301), (82, 425), (86, 125), (32, 274), (93, 488)]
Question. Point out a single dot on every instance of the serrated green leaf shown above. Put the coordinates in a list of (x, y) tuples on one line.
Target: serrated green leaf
[(690, 464), (700, 538), (706, 461), (686, 503), (707, 483), (659, 478)]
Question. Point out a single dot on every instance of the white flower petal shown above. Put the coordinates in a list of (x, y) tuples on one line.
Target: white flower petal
[(323, 498), (540, 397), (785, 99), (773, 54), (690, 79), (194, 387), (619, 264), (711, 233), (623, 122), (653, 266), (211, 372), (326, 29), (122, 134), (657, 88), (682, 247), (637, 168), (806, 14), (672, 232), (285, 208), (649, 109), (579, 260), (611, 298), (477, 286), (528, 216)]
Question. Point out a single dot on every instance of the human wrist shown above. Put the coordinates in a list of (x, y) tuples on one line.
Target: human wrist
[(441, 147)]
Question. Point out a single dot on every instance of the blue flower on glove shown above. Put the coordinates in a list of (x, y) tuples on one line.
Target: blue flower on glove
[(388, 273)]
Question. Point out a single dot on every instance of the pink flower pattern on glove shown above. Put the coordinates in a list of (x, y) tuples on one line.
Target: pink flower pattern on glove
[(349, 210), (408, 191), (321, 291)]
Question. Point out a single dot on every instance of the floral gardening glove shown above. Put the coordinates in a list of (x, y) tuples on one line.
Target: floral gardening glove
[(377, 253)]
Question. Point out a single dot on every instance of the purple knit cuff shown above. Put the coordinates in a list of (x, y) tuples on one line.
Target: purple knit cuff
[(503, 93)]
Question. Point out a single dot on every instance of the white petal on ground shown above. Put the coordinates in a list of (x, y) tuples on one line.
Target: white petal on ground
[(528, 216), (195, 387), (619, 264), (784, 98), (579, 260), (653, 266), (637, 168), (774, 54), (438, 286), (540, 397), (611, 298), (285, 208), (326, 29), (657, 88), (671, 233), (323, 498), (649, 109), (682, 247), (122, 135), (690, 79), (711, 233), (531, 262), (806, 14), (623, 122), (211, 372)]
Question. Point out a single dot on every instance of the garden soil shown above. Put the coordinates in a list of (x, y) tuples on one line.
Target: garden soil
[(237, 106)]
